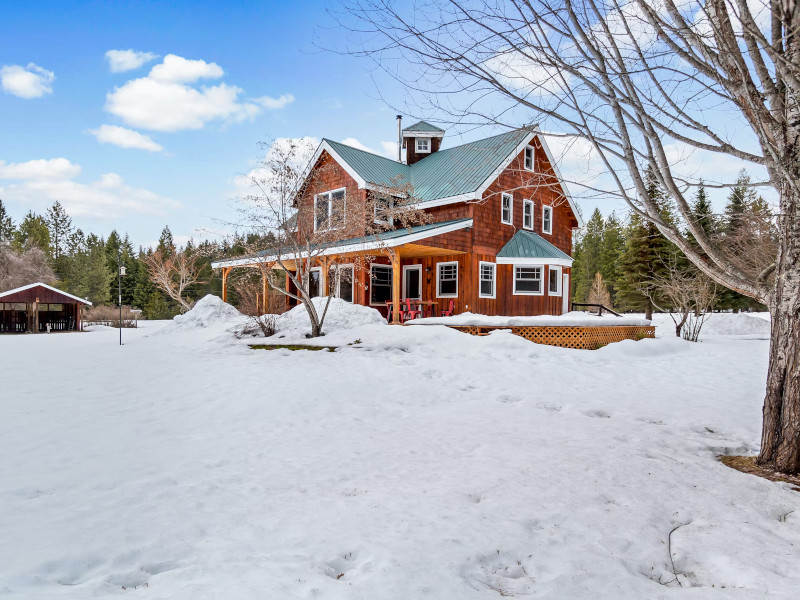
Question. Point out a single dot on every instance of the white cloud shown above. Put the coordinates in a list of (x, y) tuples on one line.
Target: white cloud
[(43, 168), (26, 82), (165, 100), (127, 60), (301, 150), (389, 149), (275, 103), (176, 69), (125, 138), (356, 144), (38, 183)]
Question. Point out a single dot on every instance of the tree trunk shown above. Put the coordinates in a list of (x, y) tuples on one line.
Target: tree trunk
[(648, 311), (780, 439)]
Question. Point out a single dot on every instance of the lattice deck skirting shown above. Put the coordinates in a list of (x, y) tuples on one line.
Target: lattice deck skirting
[(584, 338)]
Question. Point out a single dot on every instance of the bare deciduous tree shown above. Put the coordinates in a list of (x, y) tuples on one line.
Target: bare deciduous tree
[(24, 268), (643, 83), (684, 292), (598, 293), (173, 272)]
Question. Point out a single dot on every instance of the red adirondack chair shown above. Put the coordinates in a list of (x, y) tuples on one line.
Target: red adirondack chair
[(448, 312), (409, 312)]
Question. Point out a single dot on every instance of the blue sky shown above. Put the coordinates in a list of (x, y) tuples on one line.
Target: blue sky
[(159, 134), (265, 49)]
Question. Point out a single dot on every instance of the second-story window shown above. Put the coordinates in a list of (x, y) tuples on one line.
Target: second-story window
[(507, 208), (382, 207), (547, 219), (329, 210), (423, 145), (529, 158), (527, 214)]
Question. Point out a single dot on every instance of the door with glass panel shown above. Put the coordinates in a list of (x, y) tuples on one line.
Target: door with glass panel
[(412, 282)]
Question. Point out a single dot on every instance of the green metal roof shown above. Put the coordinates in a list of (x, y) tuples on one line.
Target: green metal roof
[(450, 172), (526, 244), (424, 126)]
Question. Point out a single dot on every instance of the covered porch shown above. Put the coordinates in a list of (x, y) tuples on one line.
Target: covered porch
[(380, 273)]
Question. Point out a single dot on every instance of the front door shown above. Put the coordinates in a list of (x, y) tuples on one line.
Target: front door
[(412, 282)]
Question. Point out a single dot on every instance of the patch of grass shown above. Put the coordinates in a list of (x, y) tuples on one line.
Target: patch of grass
[(747, 464), (291, 347)]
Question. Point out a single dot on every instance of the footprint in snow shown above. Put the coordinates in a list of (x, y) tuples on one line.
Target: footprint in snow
[(509, 398), (599, 414)]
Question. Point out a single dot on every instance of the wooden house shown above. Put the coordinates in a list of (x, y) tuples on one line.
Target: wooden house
[(499, 240), (39, 308)]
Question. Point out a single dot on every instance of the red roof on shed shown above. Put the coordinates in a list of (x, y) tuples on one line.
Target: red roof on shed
[(41, 292)]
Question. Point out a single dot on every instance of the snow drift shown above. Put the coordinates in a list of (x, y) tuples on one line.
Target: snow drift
[(735, 324), (207, 312), (341, 316)]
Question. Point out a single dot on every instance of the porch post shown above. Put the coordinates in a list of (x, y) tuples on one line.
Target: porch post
[(225, 271), (395, 287), (264, 291), (323, 277)]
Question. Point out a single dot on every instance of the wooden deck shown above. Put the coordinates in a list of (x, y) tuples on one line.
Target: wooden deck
[(583, 338)]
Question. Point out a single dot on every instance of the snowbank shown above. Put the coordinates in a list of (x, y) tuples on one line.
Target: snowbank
[(341, 316), (571, 319), (735, 324), (207, 312)]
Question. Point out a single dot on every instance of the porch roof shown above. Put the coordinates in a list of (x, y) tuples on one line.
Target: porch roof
[(527, 247), (386, 239)]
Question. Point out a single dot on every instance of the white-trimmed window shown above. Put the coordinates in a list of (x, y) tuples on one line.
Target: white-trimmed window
[(506, 208), (487, 275), (447, 279), (329, 210), (380, 284), (554, 281), (382, 208), (528, 281), (547, 219), (341, 282), (527, 214), (529, 158), (423, 145), (315, 282)]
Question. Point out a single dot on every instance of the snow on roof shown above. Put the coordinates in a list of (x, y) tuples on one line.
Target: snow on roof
[(44, 285)]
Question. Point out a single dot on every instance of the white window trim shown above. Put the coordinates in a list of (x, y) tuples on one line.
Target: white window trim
[(510, 208), (438, 271), (533, 213), (372, 266), (524, 157), (558, 279), (338, 292), (541, 281), (330, 194), (494, 279), (407, 268), (387, 221), (422, 150), (544, 208)]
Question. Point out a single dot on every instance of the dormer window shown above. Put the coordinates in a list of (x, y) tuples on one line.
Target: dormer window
[(529, 158), (423, 145)]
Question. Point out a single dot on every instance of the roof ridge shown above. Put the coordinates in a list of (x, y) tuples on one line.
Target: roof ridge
[(330, 141), (517, 130)]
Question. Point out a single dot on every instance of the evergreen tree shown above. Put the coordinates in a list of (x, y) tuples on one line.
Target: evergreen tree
[(33, 231), (98, 277), (7, 229), (165, 242), (77, 266), (703, 214), (59, 224), (586, 257), (740, 197), (612, 247)]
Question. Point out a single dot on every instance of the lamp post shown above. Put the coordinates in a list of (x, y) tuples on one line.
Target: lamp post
[(120, 273)]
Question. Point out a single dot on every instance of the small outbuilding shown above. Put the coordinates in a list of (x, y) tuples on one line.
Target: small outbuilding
[(39, 308)]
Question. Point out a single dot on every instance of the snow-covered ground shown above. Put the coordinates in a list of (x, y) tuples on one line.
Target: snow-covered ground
[(417, 462)]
